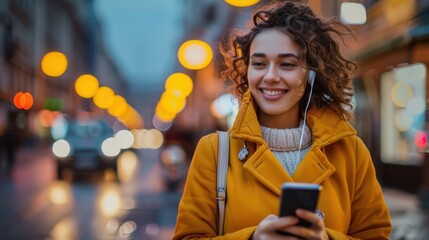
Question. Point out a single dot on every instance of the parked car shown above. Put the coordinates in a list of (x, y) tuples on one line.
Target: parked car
[(83, 149)]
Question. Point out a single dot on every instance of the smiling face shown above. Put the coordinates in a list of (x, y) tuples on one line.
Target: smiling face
[(276, 79)]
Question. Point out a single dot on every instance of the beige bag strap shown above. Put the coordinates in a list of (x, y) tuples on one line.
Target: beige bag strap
[(222, 170)]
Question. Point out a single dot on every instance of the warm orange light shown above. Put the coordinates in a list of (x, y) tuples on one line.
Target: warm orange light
[(241, 3), (195, 54), (119, 106), (104, 97), (163, 114), (54, 64), (86, 85), (23, 100), (172, 103), (179, 84), (17, 100)]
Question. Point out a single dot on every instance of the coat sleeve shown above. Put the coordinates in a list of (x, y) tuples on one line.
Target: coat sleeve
[(197, 212), (370, 215)]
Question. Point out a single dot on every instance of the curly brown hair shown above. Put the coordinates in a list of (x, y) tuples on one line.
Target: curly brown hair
[(319, 51)]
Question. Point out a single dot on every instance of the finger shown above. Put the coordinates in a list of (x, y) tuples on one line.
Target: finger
[(312, 217), (273, 223)]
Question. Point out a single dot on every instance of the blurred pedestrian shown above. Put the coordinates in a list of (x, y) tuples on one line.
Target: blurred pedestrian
[(292, 82)]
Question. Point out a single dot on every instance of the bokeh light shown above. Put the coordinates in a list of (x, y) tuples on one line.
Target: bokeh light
[(401, 93), (242, 3), (61, 148), (420, 139), (110, 201), (161, 125), (172, 103), (124, 139), (179, 84), (163, 114), (59, 193), (54, 64), (59, 127), (352, 13), (402, 120), (23, 100), (126, 229), (195, 54), (104, 97), (127, 166), (144, 138), (223, 105), (110, 148), (119, 106), (86, 86)]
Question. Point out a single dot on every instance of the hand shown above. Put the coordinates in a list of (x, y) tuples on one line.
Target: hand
[(267, 228), (316, 231)]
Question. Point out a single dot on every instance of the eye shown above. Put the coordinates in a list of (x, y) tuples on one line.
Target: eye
[(257, 64), (288, 65)]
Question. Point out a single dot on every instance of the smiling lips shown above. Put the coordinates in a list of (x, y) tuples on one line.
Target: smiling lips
[(273, 94)]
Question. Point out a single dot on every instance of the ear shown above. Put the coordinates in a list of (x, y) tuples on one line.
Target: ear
[(311, 76)]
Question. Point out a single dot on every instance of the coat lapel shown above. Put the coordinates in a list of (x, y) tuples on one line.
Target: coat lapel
[(314, 168), (265, 167)]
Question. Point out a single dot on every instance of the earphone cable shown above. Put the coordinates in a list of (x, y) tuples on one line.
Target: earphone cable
[(303, 125)]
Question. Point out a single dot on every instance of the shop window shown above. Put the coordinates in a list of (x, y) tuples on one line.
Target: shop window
[(403, 107)]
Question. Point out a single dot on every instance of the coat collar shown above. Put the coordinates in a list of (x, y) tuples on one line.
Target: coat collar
[(326, 126)]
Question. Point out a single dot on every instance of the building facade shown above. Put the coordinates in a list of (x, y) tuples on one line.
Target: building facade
[(30, 29)]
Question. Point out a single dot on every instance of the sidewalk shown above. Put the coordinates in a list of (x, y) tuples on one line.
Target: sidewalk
[(408, 220)]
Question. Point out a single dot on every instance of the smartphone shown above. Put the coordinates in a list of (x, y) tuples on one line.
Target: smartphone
[(299, 195)]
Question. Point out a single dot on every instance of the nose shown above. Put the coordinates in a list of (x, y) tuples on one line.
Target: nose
[(271, 75)]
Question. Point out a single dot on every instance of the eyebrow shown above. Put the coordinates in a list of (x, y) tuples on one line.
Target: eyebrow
[(281, 55)]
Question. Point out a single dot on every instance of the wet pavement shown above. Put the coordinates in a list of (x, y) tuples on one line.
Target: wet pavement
[(409, 221), (154, 212)]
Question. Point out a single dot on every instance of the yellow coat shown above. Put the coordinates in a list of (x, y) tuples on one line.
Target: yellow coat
[(351, 198)]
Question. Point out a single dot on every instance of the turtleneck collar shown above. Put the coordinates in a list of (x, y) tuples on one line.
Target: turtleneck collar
[(285, 140)]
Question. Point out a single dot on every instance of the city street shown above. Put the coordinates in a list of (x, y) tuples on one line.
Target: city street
[(36, 206)]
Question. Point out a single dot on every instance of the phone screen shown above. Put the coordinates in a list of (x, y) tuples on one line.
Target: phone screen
[(299, 195)]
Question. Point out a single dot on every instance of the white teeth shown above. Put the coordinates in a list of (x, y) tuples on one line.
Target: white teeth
[(273, 92)]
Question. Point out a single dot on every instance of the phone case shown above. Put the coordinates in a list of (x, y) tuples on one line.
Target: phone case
[(299, 195)]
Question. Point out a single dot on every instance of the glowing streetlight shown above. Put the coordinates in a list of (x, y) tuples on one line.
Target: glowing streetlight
[(179, 84), (172, 103), (54, 64), (23, 100), (86, 86), (242, 3), (195, 54), (163, 114), (104, 97), (119, 106)]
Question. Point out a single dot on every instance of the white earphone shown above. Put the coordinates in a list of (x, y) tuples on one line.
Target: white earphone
[(311, 76)]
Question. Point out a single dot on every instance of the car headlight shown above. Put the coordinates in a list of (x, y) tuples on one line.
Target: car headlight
[(61, 148)]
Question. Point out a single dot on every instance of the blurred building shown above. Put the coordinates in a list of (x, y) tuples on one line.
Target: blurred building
[(391, 90), (30, 29)]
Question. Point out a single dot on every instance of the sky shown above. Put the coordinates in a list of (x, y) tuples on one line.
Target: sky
[(143, 37)]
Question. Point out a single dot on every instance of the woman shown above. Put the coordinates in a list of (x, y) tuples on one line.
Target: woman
[(292, 82)]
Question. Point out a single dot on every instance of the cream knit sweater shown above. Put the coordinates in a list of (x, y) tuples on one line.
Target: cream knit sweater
[(284, 143)]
